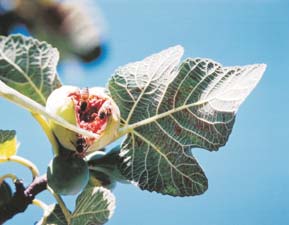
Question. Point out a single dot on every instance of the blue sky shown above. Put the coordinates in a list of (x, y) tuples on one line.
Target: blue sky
[(249, 177)]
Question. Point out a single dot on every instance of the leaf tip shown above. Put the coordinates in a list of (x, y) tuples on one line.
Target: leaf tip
[(178, 48), (263, 67), (258, 70)]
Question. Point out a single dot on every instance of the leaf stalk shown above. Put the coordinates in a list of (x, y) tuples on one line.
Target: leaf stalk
[(61, 204), (9, 175), (40, 204), (44, 125), (23, 162)]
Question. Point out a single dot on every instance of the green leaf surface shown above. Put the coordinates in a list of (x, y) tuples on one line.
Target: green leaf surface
[(167, 109), (29, 66), (7, 135), (8, 143), (54, 216), (95, 205)]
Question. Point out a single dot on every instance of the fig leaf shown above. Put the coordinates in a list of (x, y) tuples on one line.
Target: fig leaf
[(95, 205), (167, 108), (29, 66), (8, 143)]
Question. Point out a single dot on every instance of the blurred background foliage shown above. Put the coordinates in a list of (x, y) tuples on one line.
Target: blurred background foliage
[(75, 27)]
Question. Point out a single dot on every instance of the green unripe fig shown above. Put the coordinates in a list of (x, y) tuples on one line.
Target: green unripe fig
[(67, 175), (5, 193)]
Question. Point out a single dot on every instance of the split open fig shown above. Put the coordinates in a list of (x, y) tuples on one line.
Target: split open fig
[(91, 109)]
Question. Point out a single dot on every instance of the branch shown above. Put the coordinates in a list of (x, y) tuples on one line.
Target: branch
[(22, 197)]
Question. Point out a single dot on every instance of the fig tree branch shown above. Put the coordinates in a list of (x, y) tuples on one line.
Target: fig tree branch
[(22, 197)]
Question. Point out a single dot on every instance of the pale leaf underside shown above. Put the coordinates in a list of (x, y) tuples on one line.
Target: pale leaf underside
[(95, 205), (167, 109), (29, 66)]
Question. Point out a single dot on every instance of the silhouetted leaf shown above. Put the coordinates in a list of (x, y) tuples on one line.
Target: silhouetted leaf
[(105, 169)]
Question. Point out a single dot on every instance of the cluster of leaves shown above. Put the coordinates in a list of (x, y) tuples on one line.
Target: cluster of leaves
[(167, 108)]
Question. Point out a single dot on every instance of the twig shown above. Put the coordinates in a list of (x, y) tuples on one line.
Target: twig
[(22, 197)]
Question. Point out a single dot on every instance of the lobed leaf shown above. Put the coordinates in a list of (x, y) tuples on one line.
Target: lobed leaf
[(29, 66), (8, 143), (95, 205), (167, 109)]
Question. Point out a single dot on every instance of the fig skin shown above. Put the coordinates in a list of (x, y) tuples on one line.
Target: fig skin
[(67, 175), (60, 104)]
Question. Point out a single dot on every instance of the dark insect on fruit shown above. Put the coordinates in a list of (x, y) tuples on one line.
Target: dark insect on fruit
[(81, 145), (83, 106), (104, 111), (102, 115), (84, 94)]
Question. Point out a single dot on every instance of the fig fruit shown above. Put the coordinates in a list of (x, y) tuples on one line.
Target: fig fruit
[(67, 175), (90, 109)]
